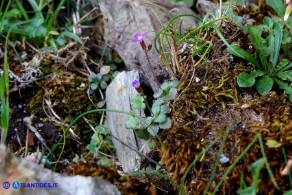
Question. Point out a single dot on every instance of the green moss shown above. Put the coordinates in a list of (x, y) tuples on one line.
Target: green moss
[(68, 97)]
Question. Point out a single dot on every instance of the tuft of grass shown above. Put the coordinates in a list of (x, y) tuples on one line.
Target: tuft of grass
[(4, 95), (40, 28)]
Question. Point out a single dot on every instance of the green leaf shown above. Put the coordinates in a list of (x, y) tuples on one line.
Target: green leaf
[(138, 102), (257, 73), (4, 116), (93, 86), (142, 134), (264, 84), (174, 83), (13, 13), (104, 162), (151, 144), (166, 124), (132, 122), (95, 139), (61, 41), (273, 144), (278, 6), (53, 32), (101, 130), (158, 102), (72, 36), (285, 87), (164, 109), (286, 75), (288, 192), (103, 84), (277, 41), (171, 95), (237, 51), (245, 80), (168, 90), (161, 118), (91, 148), (153, 130), (255, 169), (248, 191), (259, 44), (283, 65), (155, 109), (91, 77), (36, 9), (148, 121)]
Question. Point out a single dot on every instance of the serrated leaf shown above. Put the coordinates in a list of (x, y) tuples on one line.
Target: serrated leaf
[(132, 122), (245, 80), (257, 73), (101, 130), (283, 65), (273, 144), (287, 88), (138, 102), (264, 84), (95, 139), (286, 75), (165, 125), (259, 43), (91, 148)]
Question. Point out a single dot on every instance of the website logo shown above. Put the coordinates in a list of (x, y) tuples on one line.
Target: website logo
[(16, 185), (6, 185)]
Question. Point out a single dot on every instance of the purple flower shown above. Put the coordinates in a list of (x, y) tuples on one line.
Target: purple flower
[(139, 37), (136, 84)]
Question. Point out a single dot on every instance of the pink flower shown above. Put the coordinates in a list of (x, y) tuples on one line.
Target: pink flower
[(139, 37)]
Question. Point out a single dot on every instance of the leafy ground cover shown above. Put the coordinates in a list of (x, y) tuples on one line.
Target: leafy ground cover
[(223, 125)]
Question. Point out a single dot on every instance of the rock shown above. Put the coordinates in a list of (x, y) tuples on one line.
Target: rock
[(118, 96), (123, 19), (16, 169)]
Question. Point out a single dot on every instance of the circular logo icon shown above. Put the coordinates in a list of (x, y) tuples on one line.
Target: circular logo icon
[(6, 185), (16, 185)]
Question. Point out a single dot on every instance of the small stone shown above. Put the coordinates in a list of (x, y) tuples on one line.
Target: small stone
[(224, 159)]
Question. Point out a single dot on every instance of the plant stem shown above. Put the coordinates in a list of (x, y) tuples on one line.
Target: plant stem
[(152, 68)]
